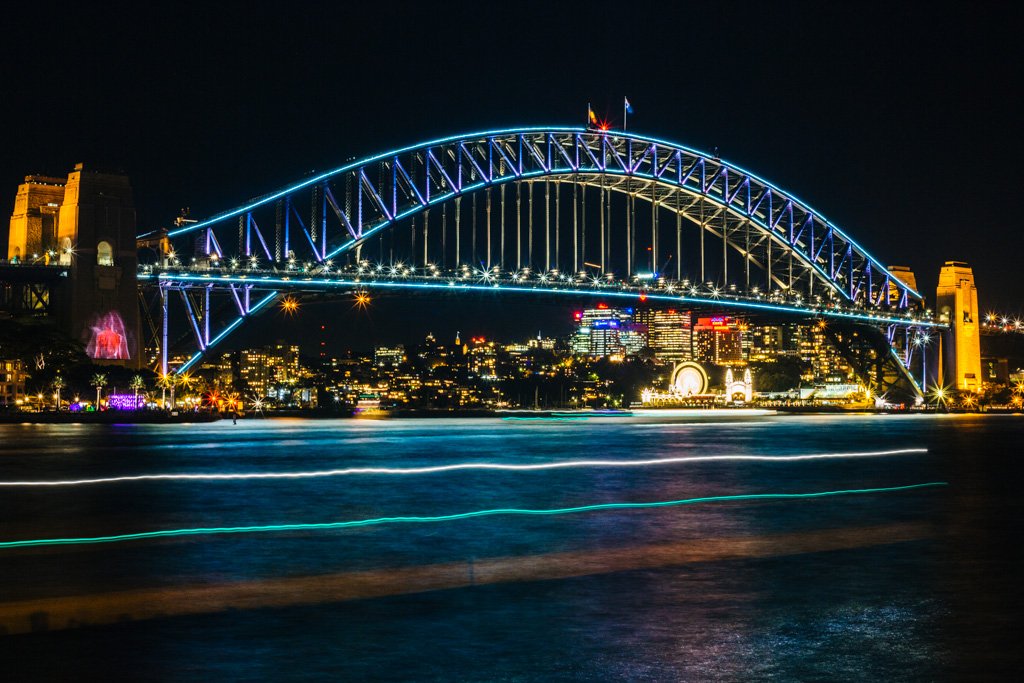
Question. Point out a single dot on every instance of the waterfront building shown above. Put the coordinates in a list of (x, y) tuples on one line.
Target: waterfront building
[(12, 382), (669, 333), (832, 392), (814, 347), (765, 343), (604, 332), (719, 340), (264, 369)]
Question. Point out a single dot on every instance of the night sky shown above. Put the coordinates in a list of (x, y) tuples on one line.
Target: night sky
[(902, 125)]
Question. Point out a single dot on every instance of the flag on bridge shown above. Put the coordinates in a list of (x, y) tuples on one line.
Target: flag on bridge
[(591, 116), (629, 107)]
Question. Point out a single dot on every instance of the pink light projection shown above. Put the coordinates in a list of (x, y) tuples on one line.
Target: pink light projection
[(109, 339)]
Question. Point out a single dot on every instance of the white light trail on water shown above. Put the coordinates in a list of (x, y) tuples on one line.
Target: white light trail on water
[(560, 464)]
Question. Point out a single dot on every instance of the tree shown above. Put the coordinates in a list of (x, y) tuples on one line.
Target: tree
[(42, 349), (58, 383), (166, 382), (136, 384), (99, 380)]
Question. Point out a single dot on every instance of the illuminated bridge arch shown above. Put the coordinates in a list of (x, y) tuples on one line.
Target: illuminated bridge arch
[(534, 208), (332, 214)]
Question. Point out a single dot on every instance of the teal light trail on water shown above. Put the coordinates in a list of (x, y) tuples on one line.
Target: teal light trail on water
[(447, 518)]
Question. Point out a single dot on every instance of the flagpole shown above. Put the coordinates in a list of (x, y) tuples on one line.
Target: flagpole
[(624, 110)]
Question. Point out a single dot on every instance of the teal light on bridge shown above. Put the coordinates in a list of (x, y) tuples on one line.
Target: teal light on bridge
[(321, 283), (208, 531)]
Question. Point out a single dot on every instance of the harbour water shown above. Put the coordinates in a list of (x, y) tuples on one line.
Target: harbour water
[(879, 582)]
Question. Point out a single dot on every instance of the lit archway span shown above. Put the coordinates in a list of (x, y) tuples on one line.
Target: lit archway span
[(351, 204)]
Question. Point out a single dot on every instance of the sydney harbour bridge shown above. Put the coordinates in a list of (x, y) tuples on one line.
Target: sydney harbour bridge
[(556, 212)]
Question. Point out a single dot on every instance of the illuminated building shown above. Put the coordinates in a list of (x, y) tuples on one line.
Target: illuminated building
[(12, 381), (483, 358), (669, 333), (839, 392), (389, 356), (765, 343), (607, 332), (719, 340), (262, 370), (739, 390), (956, 299), (814, 347), (544, 343)]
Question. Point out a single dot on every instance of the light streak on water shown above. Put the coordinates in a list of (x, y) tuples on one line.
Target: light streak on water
[(560, 464), (203, 531)]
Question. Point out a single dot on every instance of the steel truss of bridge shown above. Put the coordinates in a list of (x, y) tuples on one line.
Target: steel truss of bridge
[(543, 211)]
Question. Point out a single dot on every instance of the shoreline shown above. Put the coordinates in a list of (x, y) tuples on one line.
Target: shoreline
[(110, 417), (190, 417)]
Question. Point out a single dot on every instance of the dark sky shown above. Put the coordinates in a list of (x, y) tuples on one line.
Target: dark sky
[(901, 124)]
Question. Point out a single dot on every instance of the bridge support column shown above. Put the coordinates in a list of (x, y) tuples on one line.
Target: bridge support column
[(956, 300)]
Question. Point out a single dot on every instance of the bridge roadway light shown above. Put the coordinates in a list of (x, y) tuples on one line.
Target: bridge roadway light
[(289, 305)]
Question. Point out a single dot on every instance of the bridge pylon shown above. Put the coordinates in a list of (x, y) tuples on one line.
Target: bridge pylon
[(956, 299), (85, 225)]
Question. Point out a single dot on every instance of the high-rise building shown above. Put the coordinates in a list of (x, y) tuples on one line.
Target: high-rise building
[(719, 340), (956, 300), (669, 333), (765, 343), (813, 345), (264, 368), (483, 358), (607, 332)]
